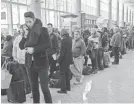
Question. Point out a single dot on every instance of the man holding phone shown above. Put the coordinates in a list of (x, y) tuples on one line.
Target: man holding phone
[(36, 41)]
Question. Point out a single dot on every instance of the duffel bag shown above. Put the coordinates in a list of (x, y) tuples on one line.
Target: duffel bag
[(16, 92)]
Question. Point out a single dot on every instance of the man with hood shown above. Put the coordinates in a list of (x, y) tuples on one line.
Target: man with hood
[(36, 41)]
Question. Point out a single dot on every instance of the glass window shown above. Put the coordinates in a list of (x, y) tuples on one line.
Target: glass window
[(4, 19), (28, 2), (4, 30), (15, 14), (23, 9), (22, 1), (51, 16), (51, 4), (13, 0)]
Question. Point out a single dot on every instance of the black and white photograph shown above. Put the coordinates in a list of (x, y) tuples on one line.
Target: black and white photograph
[(67, 51)]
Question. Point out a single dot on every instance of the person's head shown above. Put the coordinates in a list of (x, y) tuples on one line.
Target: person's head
[(64, 32), (55, 30), (29, 19), (50, 27), (115, 29), (21, 30), (104, 29), (8, 38), (86, 33), (77, 34)]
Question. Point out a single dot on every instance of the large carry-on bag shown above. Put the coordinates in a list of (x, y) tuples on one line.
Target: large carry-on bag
[(16, 92)]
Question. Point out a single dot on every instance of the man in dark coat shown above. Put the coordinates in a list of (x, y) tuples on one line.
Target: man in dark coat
[(65, 59), (54, 50), (36, 40)]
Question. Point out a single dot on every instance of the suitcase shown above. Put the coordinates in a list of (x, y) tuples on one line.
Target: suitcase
[(106, 59), (16, 92)]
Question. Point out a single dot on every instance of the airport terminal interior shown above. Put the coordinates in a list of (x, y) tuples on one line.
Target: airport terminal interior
[(113, 19)]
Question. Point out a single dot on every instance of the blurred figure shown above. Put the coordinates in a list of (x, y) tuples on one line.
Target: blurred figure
[(65, 59), (54, 50), (2, 40), (79, 50), (93, 44), (8, 46), (116, 44), (105, 39), (19, 56)]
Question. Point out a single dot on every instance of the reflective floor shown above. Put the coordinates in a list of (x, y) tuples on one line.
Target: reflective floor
[(113, 85)]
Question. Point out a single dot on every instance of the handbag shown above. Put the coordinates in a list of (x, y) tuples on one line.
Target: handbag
[(5, 75)]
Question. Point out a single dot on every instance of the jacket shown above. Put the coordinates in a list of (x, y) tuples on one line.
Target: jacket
[(18, 54), (7, 48), (54, 44), (116, 40), (65, 58), (39, 56)]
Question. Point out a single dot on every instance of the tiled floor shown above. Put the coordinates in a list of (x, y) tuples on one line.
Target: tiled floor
[(113, 85)]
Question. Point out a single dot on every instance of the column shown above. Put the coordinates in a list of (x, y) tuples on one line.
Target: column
[(10, 18), (110, 14), (130, 16), (98, 8), (123, 15), (78, 11), (127, 15), (117, 13), (35, 7)]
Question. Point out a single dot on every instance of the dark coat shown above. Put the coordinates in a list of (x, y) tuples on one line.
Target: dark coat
[(54, 44), (65, 58), (7, 48), (39, 55)]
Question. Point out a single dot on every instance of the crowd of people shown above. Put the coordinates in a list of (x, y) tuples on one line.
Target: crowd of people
[(40, 51)]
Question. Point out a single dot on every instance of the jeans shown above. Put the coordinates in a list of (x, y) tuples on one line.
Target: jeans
[(52, 64), (100, 59), (43, 75), (94, 55), (116, 51)]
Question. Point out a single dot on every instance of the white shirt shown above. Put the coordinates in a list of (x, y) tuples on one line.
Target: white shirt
[(18, 54)]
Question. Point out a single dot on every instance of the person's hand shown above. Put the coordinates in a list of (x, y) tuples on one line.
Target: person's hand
[(26, 30), (30, 50), (57, 64)]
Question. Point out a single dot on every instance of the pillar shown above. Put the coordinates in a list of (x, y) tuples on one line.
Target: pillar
[(98, 8), (133, 17), (117, 13), (10, 18), (35, 7), (127, 15), (130, 16), (110, 14), (78, 12), (123, 15)]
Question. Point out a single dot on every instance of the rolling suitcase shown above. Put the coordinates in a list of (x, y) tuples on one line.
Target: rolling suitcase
[(16, 92)]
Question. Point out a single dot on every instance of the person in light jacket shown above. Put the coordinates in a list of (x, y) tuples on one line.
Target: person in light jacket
[(116, 44)]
